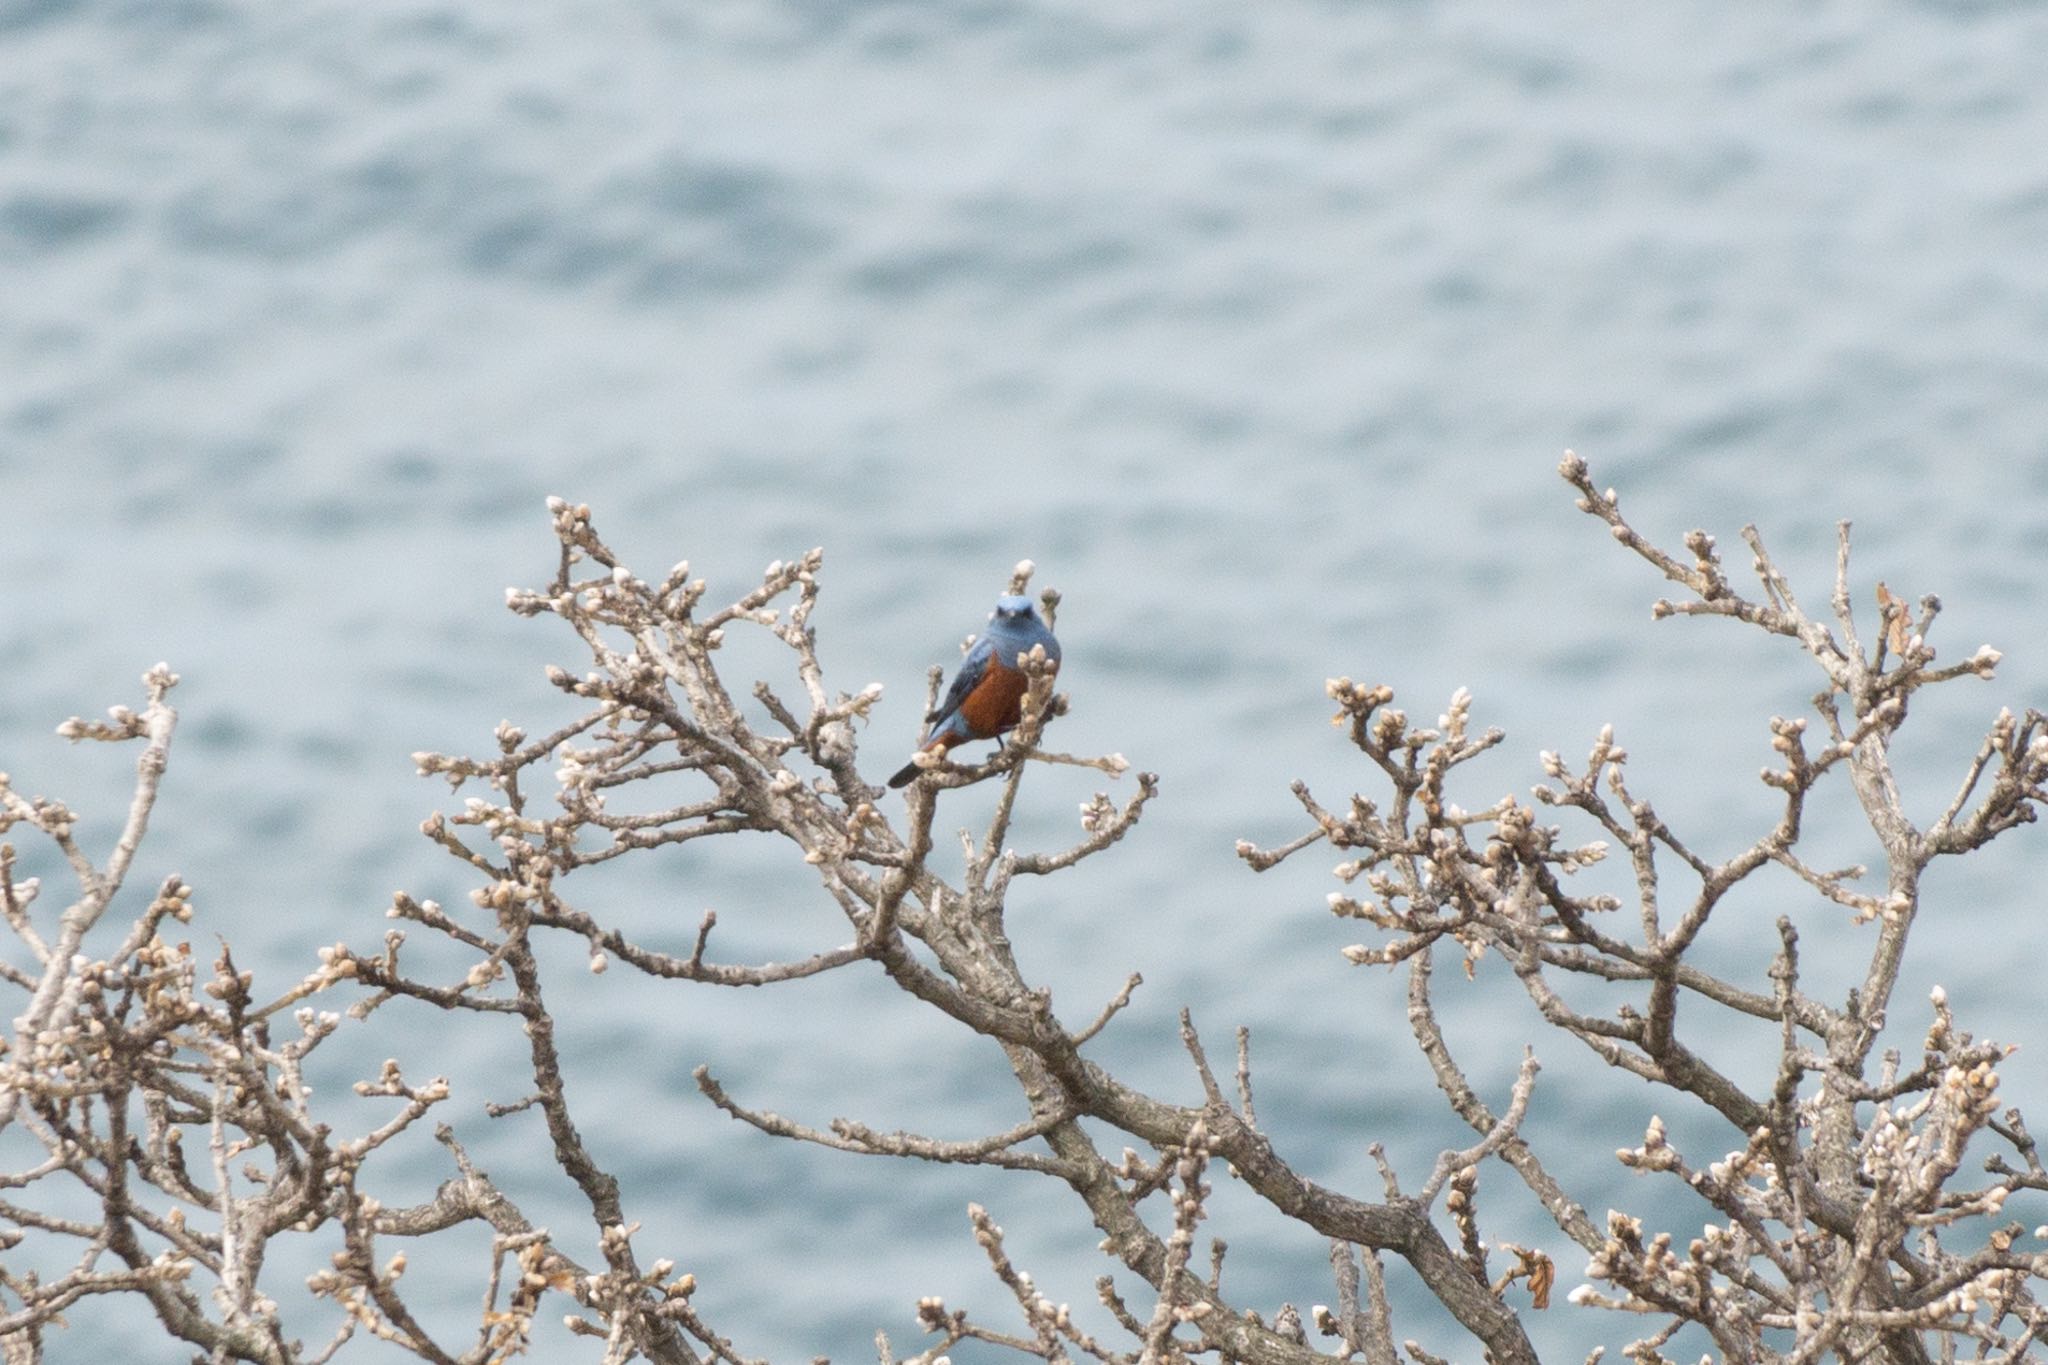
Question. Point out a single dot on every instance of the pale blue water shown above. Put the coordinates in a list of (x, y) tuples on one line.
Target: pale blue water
[(1260, 329)]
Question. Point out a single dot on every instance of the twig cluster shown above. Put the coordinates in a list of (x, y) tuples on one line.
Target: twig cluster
[(1843, 1224), (167, 1105)]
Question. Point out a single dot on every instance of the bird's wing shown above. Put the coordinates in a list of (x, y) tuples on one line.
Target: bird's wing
[(971, 669)]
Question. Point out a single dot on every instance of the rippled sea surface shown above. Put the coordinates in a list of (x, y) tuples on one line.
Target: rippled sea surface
[(1260, 329)]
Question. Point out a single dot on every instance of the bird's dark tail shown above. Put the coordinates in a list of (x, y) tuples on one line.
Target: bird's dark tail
[(906, 776)]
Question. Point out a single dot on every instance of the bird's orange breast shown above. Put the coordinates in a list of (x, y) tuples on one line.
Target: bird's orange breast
[(997, 701)]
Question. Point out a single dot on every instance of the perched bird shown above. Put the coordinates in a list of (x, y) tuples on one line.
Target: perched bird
[(987, 695)]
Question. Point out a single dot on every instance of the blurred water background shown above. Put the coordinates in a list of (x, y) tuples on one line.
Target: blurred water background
[(1260, 328)]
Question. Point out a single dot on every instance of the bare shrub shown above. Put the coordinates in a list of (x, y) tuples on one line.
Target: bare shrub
[(173, 1138)]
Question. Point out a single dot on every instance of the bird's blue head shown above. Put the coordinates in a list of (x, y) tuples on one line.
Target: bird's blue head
[(1012, 610), (1014, 628)]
